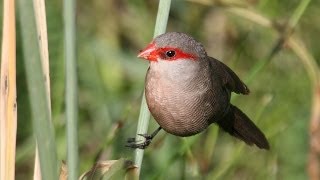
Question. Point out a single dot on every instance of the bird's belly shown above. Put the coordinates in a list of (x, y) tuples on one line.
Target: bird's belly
[(181, 112)]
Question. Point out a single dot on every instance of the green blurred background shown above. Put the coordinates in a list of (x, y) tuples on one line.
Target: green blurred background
[(110, 33)]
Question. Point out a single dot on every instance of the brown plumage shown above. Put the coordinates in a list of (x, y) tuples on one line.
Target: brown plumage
[(186, 91)]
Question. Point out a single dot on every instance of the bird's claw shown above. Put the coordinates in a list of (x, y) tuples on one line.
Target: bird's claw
[(142, 145), (131, 140), (146, 136), (133, 143)]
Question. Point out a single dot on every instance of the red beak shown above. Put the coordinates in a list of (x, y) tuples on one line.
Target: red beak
[(149, 53)]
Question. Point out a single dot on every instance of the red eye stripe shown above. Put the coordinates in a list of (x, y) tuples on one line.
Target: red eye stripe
[(179, 54), (152, 53)]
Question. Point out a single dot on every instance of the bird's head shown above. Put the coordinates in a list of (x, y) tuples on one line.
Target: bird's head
[(173, 46)]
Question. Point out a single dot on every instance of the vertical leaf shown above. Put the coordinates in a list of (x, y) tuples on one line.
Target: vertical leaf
[(40, 15), (43, 128), (71, 88)]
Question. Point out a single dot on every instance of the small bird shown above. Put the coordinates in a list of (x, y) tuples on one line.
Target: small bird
[(186, 90)]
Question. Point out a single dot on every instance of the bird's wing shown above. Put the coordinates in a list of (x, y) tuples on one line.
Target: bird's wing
[(229, 79)]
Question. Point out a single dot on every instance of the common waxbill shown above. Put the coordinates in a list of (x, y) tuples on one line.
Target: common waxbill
[(187, 90)]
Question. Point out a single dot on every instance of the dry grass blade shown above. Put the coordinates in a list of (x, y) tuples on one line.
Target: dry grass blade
[(314, 131), (314, 128), (40, 14), (37, 170), (221, 2), (251, 15), (132, 173), (108, 169), (308, 61), (8, 106), (63, 171)]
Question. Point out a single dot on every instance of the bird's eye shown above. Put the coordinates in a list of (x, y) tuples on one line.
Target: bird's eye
[(170, 53)]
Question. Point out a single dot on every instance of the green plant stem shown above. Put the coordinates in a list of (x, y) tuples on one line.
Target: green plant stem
[(71, 88), (297, 14), (162, 17), (144, 117), (43, 128)]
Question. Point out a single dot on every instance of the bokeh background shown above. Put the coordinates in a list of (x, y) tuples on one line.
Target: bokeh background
[(110, 33)]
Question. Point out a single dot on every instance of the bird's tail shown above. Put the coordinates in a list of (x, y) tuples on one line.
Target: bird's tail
[(239, 125)]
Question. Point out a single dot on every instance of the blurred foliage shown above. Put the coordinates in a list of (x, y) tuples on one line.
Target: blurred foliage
[(111, 80)]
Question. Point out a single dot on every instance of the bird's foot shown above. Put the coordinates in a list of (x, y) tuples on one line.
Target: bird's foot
[(133, 143)]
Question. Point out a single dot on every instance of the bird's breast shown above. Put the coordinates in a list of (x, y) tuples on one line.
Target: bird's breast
[(182, 106)]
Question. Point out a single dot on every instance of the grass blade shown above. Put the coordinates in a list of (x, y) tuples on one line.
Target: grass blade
[(40, 15), (8, 106), (144, 117), (71, 88), (297, 14), (43, 128)]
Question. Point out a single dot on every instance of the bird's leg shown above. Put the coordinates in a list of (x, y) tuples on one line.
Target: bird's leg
[(135, 144)]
